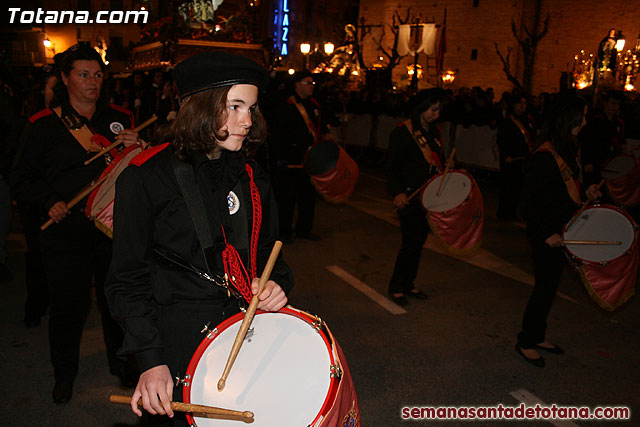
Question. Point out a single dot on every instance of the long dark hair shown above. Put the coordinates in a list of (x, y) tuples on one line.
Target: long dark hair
[(566, 112), (200, 118)]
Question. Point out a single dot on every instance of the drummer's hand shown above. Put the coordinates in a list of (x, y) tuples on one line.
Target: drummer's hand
[(128, 137), (153, 383), (555, 240), (593, 192), (272, 297), (400, 200), (58, 211), (588, 168), (508, 159)]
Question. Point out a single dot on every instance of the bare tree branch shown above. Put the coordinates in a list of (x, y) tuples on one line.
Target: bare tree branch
[(506, 66)]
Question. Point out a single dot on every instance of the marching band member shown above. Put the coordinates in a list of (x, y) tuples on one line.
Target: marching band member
[(415, 155), (551, 195), (202, 203), (49, 170)]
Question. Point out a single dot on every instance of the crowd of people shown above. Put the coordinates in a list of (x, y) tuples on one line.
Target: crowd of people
[(218, 212)]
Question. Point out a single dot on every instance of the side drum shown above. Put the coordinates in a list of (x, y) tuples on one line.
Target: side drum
[(609, 272), (456, 214), (289, 372)]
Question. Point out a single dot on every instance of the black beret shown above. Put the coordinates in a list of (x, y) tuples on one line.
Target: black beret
[(78, 52), (300, 75), (209, 70)]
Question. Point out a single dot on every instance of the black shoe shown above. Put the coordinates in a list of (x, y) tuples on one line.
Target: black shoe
[(62, 391), (553, 350), (538, 363), (400, 300), (309, 236), (417, 294)]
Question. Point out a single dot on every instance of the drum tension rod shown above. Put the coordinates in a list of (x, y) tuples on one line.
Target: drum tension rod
[(207, 329), (184, 381), (335, 371)]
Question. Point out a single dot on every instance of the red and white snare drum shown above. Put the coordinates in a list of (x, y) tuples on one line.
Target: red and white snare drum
[(609, 272), (289, 372), (100, 202), (622, 175), (456, 215)]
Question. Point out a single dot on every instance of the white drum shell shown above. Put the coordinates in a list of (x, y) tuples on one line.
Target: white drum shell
[(281, 374), (454, 191), (601, 223)]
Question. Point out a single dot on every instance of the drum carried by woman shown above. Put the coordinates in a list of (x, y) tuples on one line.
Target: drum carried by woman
[(455, 210), (603, 245)]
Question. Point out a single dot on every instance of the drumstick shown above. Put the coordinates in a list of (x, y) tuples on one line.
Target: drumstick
[(446, 170), (246, 416), (590, 242), (295, 166), (248, 317), (582, 208), (81, 195), (115, 144)]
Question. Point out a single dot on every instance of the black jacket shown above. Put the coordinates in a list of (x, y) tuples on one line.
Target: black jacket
[(545, 202), (49, 166), (407, 169), (149, 212)]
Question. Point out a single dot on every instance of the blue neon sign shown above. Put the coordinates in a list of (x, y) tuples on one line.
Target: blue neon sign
[(281, 32)]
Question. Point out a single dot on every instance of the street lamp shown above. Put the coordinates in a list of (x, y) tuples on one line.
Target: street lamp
[(328, 48), (305, 48), (620, 42)]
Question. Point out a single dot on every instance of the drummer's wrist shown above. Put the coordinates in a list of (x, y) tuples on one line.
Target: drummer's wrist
[(148, 359)]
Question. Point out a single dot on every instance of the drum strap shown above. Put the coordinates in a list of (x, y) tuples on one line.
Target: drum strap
[(525, 133), (313, 130), (81, 132), (193, 199), (572, 185), (431, 157)]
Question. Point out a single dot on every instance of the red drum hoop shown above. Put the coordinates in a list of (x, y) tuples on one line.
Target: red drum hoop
[(287, 372)]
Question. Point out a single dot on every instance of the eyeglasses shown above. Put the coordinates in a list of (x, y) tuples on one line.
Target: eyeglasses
[(308, 83)]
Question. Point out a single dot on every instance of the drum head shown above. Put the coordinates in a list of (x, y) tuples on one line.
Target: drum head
[(617, 167), (454, 191), (281, 374), (602, 223), (321, 157)]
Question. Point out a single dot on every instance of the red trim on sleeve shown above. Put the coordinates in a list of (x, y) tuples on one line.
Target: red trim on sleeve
[(147, 154), (40, 114)]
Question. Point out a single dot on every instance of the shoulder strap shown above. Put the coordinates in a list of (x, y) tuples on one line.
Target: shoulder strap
[(193, 199), (423, 144), (83, 134), (565, 172), (524, 131), (305, 116)]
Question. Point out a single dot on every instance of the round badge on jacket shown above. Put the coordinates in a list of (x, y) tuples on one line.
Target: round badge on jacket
[(116, 127), (233, 203)]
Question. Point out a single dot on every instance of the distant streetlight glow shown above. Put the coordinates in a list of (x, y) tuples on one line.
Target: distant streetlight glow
[(328, 48), (305, 48)]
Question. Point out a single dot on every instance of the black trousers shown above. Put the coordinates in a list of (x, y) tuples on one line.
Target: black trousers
[(76, 255), (35, 278), (548, 263), (292, 187), (415, 229)]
